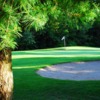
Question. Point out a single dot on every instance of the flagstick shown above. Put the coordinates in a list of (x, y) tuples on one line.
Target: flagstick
[(65, 42), (64, 39)]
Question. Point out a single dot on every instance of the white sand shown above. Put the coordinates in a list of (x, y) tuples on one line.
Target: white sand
[(73, 71)]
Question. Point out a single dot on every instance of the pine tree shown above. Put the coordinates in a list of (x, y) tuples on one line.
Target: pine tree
[(14, 15)]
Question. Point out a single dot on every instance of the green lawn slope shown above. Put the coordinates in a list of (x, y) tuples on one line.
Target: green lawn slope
[(30, 86)]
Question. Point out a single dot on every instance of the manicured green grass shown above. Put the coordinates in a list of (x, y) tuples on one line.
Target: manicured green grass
[(30, 86)]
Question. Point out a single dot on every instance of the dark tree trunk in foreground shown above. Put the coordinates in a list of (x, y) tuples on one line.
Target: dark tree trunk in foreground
[(6, 76)]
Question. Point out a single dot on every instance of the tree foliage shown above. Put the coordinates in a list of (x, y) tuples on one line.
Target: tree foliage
[(15, 14), (59, 17)]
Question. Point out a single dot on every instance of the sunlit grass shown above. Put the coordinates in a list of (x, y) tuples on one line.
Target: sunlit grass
[(30, 86), (56, 56), (65, 52)]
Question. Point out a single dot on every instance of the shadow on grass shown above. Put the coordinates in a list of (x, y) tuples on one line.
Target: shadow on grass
[(29, 86)]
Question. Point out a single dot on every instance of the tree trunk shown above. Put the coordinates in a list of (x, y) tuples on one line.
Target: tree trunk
[(6, 76)]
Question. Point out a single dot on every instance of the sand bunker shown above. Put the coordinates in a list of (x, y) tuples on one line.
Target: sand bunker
[(73, 71)]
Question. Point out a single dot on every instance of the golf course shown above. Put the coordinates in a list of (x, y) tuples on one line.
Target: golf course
[(28, 85)]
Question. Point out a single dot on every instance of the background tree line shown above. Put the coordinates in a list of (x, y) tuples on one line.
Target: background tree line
[(78, 21)]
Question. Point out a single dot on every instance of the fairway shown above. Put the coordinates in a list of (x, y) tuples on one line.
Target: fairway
[(28, 85)]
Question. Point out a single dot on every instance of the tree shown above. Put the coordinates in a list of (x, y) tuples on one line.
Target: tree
[(27, 41), (14, 16), (18, 15), (74, 22)]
